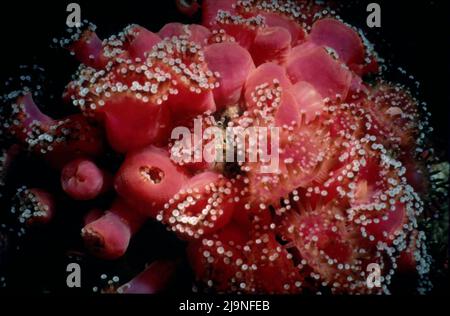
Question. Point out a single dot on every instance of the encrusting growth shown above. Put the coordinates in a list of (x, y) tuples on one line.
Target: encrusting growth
[(355, 173)]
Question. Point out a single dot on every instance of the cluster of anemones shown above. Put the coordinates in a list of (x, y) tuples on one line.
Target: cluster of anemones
[(353, 173)]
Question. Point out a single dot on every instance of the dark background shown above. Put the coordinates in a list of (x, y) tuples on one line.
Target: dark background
[(414, 35)]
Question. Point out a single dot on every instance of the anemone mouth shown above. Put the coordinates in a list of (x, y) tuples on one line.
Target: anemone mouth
[(152, 174), (80, 178)]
